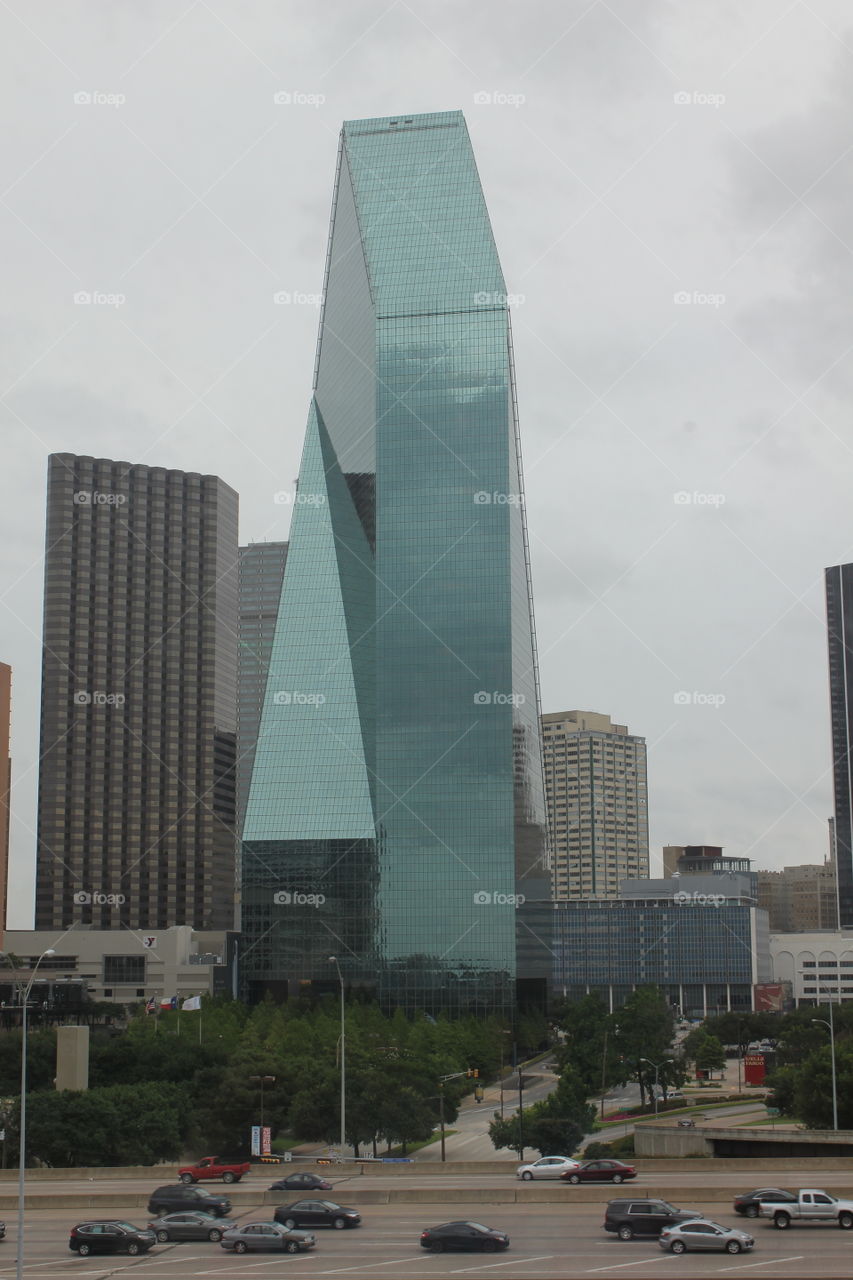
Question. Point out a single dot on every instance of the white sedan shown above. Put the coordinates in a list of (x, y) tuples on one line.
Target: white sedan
[(547, 1167)]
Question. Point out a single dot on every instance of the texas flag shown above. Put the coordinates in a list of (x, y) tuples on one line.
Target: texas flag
[(169, 1002)]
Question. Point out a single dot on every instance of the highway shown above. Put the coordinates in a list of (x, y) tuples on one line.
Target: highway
[(547, 1243)]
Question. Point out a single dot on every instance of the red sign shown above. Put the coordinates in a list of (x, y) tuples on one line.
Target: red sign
[(754, 1070), (770, 997)]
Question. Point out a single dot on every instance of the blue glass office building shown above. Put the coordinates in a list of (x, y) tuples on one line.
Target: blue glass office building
[(396, 812)]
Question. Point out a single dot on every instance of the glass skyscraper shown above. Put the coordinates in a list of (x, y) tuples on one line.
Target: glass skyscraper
[(839, 617), (396, 813)]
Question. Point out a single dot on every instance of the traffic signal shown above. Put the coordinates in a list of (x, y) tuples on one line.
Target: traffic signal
[(473, 1071)]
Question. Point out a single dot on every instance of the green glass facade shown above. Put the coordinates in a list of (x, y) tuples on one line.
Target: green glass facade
[(396, 813)]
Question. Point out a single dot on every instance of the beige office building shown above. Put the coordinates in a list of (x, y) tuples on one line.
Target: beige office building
[(596, 785), (800, 899)]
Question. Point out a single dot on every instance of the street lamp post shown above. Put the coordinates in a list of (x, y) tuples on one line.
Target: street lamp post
[(657, 1066), (334, 961), (22, 1143), (262, 1080), (831, 1026)]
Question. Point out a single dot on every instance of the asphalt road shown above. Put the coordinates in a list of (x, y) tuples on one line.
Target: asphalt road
[(250, 1190), (547, 1243)]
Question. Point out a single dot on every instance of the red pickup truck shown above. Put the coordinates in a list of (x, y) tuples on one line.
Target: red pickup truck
[(213, 1167)]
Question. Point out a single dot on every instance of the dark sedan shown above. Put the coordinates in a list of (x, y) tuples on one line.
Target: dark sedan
[(109, 1237), (749, 1204), (180, 1198), (192, 1225), (600, 1171), (302, 1182), (471, 1237), (316, 1213), (261, 1237)]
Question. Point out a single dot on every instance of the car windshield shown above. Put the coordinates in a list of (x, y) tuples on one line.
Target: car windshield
[(329, 1204), (478, 1226), (670, 1208), (125, 1226)]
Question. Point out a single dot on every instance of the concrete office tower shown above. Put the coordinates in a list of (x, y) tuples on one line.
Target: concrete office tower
[(261, 569), (595, 780), (839, 617), (396, 813), (136, 818), (5, 785)]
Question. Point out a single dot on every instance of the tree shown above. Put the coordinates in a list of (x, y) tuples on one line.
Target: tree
[(704, 1050), (552, 1127), (590, 1046), (123, 1124), (645, 1030), (805, 1091)]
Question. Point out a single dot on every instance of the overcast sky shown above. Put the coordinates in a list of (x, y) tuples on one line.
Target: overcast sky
[(631, 151)]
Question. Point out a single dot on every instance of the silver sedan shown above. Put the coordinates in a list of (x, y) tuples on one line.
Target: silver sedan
[(256, 1237), (697, 1234)]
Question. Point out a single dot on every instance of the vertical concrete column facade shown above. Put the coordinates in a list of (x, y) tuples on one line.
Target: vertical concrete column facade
[(72, 1058)]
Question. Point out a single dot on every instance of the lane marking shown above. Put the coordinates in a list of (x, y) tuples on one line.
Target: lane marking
[(390, 1263), (618, 1266), (765, 1263), (516, 1262)]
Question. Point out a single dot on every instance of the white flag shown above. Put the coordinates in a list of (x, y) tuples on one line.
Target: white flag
[(192, 1002)]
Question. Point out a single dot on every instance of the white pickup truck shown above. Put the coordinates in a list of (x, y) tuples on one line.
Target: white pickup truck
[(810, 1206)]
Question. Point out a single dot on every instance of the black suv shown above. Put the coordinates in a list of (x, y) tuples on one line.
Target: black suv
[(629, 1218), (110, 1237), (174, 1199)]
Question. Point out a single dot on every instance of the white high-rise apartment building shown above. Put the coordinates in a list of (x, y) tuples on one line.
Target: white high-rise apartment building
[(595, 781)]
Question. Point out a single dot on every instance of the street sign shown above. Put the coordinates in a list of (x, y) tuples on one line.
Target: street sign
[(773, 1111)]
